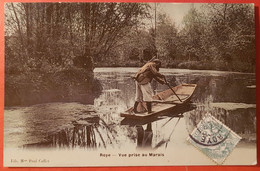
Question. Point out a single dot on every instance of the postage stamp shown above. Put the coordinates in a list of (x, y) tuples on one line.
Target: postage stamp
[(214, 138)]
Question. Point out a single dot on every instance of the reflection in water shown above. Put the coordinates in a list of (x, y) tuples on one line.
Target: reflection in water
[(144, 137), (104, 128), (90, 132), (166, 141), (145, 133), (81, 135), (74, 137)]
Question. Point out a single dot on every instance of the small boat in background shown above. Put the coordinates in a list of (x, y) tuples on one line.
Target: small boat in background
[(163, 102)]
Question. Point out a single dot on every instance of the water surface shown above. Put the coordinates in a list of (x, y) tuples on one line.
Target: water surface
[(229, 96)]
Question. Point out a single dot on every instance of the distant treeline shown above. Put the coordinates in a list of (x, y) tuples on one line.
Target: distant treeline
[(45, 40), (216, 37)]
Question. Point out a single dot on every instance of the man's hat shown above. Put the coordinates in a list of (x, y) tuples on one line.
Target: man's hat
[(157, 61)]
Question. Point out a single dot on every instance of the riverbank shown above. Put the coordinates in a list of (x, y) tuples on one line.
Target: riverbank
[(65, 85)]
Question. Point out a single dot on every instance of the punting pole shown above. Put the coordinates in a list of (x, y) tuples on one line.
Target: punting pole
[(172, 89)]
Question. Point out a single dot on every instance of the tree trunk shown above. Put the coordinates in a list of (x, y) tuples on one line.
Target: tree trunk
[(18, 26)]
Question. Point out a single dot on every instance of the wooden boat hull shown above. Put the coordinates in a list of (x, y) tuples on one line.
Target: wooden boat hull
[(163, 102)]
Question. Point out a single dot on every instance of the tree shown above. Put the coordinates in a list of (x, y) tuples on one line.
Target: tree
[(232, 33), (192, 42), (166, 37), (56, 32)]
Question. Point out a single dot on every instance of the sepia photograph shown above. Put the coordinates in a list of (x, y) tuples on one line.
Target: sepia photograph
[(129, 84)]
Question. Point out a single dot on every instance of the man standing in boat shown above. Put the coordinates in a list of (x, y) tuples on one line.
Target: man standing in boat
[(143, 78)]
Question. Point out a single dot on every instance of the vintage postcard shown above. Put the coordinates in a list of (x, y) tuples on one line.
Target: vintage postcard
[(129, 84)]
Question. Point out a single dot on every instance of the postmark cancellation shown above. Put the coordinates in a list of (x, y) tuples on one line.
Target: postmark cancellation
[(214, 139)]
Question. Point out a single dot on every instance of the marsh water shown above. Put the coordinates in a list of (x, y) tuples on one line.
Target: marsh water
[(228, 96)]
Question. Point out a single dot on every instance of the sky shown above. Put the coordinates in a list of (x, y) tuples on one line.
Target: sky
[(176, 11)]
